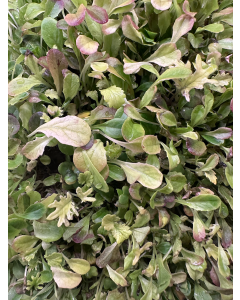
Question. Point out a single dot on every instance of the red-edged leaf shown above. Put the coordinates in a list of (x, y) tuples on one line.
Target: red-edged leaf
[(98, 14), (195, 147), (86, 45), (57, 62), (76, 19)]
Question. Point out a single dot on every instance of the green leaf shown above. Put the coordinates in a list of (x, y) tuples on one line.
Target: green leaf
[(148, 96), (68, 130), (167, 118), (202, 202), (197, 116), (131, 130), (21, 85), (210, 164), (15, 225), (131, 112), (172, 155), (34, 212), (24, 243), (223, 261), (116, 173), (116, 277), (33, 10), (111, 44), (114, 96), (177, 181), (70, 86), (215, 28), (164, 277), (65, 209), (196, 80), (16, 162), (229, 174), (113, 128), (65, 279), (148, 295), (51, 34), (48, 232), (78, 265), (200, 293), (94, 28), (149, 176)]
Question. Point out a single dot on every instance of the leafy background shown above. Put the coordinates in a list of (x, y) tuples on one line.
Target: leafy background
[(120, 149)]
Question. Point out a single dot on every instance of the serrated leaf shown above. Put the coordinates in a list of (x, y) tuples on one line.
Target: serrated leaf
[(114, 96)]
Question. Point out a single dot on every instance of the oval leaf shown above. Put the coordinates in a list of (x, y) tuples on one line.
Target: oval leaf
[(69, 130)]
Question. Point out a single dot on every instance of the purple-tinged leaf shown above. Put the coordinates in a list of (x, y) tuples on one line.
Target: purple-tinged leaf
[(214, 277), (89, 144), (42, 61), (186, 9), (197, 148), (134, 190), (231, 105), (13, 125), (98, 14), (108, 256), (130, 30), (57, 62), (86, 45), (161, 4), (111, 26), (76, 19), (35, 121), (221, 133), (227, 235), (182, 25)]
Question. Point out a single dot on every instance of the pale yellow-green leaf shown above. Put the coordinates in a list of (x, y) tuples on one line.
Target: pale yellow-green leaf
[(116, 277), (120, 231), (65, 279), (84, 195), (65, 209), (114, 96), (68, 130), (78, 265)]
